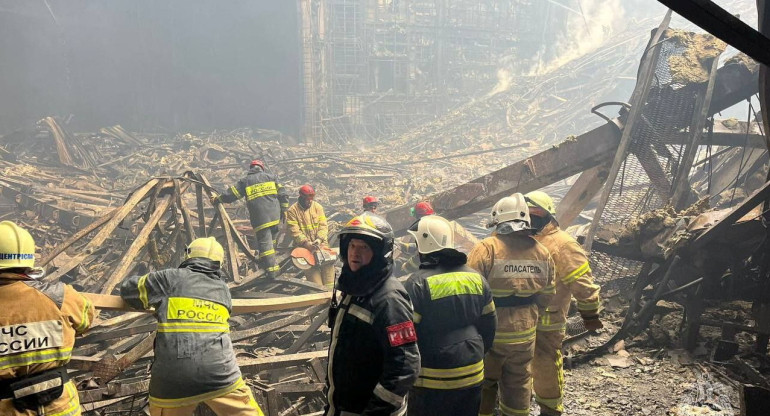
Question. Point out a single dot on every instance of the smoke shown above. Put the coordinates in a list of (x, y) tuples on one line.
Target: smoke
[(504, 81), (582, 33)]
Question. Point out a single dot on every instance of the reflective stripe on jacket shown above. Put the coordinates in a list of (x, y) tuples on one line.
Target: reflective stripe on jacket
[(307, 224), (193, 352), (265, 198), (455, 320), (38, 331), (573, 274)]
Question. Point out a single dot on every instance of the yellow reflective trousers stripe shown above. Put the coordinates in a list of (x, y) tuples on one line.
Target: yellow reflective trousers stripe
[(587, 306), (36, 357), (266, 225), (188, 401), (518, 337), (267, 253), (509, 411), (583, 269), (454, 284), (451, 378)]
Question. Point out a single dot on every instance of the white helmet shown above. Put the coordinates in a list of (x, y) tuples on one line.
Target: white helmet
[(510, 214), (433, 233)]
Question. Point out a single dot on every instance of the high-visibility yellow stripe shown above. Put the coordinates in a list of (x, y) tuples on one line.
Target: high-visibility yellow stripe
[(143, 291), (84, 323), (274, 268), (267, 225), (450, 384), (489, 308), (558, 326), (188, 401), (292, 222), (267, 253), (587, 306), (509, 411), (519, 337), (36, 357), (417, 318), (583, 269), (457, 372), (548, 290), (235, 192), (455, 284), (73, 407)]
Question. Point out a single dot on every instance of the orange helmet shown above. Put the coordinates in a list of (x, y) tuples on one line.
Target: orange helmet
[(422, 209), (257, 162), (371, 202), (306, 190)]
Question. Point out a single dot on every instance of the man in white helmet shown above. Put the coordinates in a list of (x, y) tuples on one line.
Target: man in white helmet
[(573, 278), (37, 332), (455, 320), (519, 270), (194, 358)]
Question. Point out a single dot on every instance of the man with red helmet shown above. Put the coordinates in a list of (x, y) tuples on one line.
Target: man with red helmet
[(371, 203), (307, 223), (407, 244), (267, 202)]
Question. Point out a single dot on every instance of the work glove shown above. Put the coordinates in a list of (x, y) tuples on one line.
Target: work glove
[(214, 199), (592, 323), (308, 245)]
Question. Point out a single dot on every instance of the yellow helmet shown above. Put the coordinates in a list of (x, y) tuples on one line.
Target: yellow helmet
[(207, 248), (17, 248), (541, 199)]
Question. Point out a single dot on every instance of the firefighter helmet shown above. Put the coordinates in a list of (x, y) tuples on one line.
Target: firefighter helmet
[(510, 214), (422, 209), (433, 234), (369, 226), (370, 202), (17, 247), (306, 190), (540, 199), (257, 162), (207, 248)]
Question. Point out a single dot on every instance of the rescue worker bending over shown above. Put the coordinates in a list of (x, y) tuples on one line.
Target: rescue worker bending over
[(194, 358), (267, 202), (373, 357), (407, 245), (307, 223), (370, 204), (573, 277), (455, 319), (37, 332), (519, 270)]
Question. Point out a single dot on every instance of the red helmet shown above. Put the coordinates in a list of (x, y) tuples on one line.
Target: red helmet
[(306, 190), (370, 200), (257, 162), (422, 209)]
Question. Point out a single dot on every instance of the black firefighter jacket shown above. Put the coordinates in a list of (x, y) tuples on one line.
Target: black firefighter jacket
[(373, 356), (194, 358), (266, 199), (455, 319)]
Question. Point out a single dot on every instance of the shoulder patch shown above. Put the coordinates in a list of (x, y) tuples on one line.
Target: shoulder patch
[(400, 334)]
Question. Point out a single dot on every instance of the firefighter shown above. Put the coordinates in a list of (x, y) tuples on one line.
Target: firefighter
[(455, 319), (37, 332), (371, 203), (411, 258), (373, 356), (194, 358), (307, 223), (267, 202), (573, 278), (519, 271)]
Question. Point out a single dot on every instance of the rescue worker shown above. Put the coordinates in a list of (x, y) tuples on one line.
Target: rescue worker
[(455, 319), (267, 202), (307, 223), (194, 358), (373, 356), (519, 270), (371, 203), (407, 245), (573, 278), (37, 332)]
